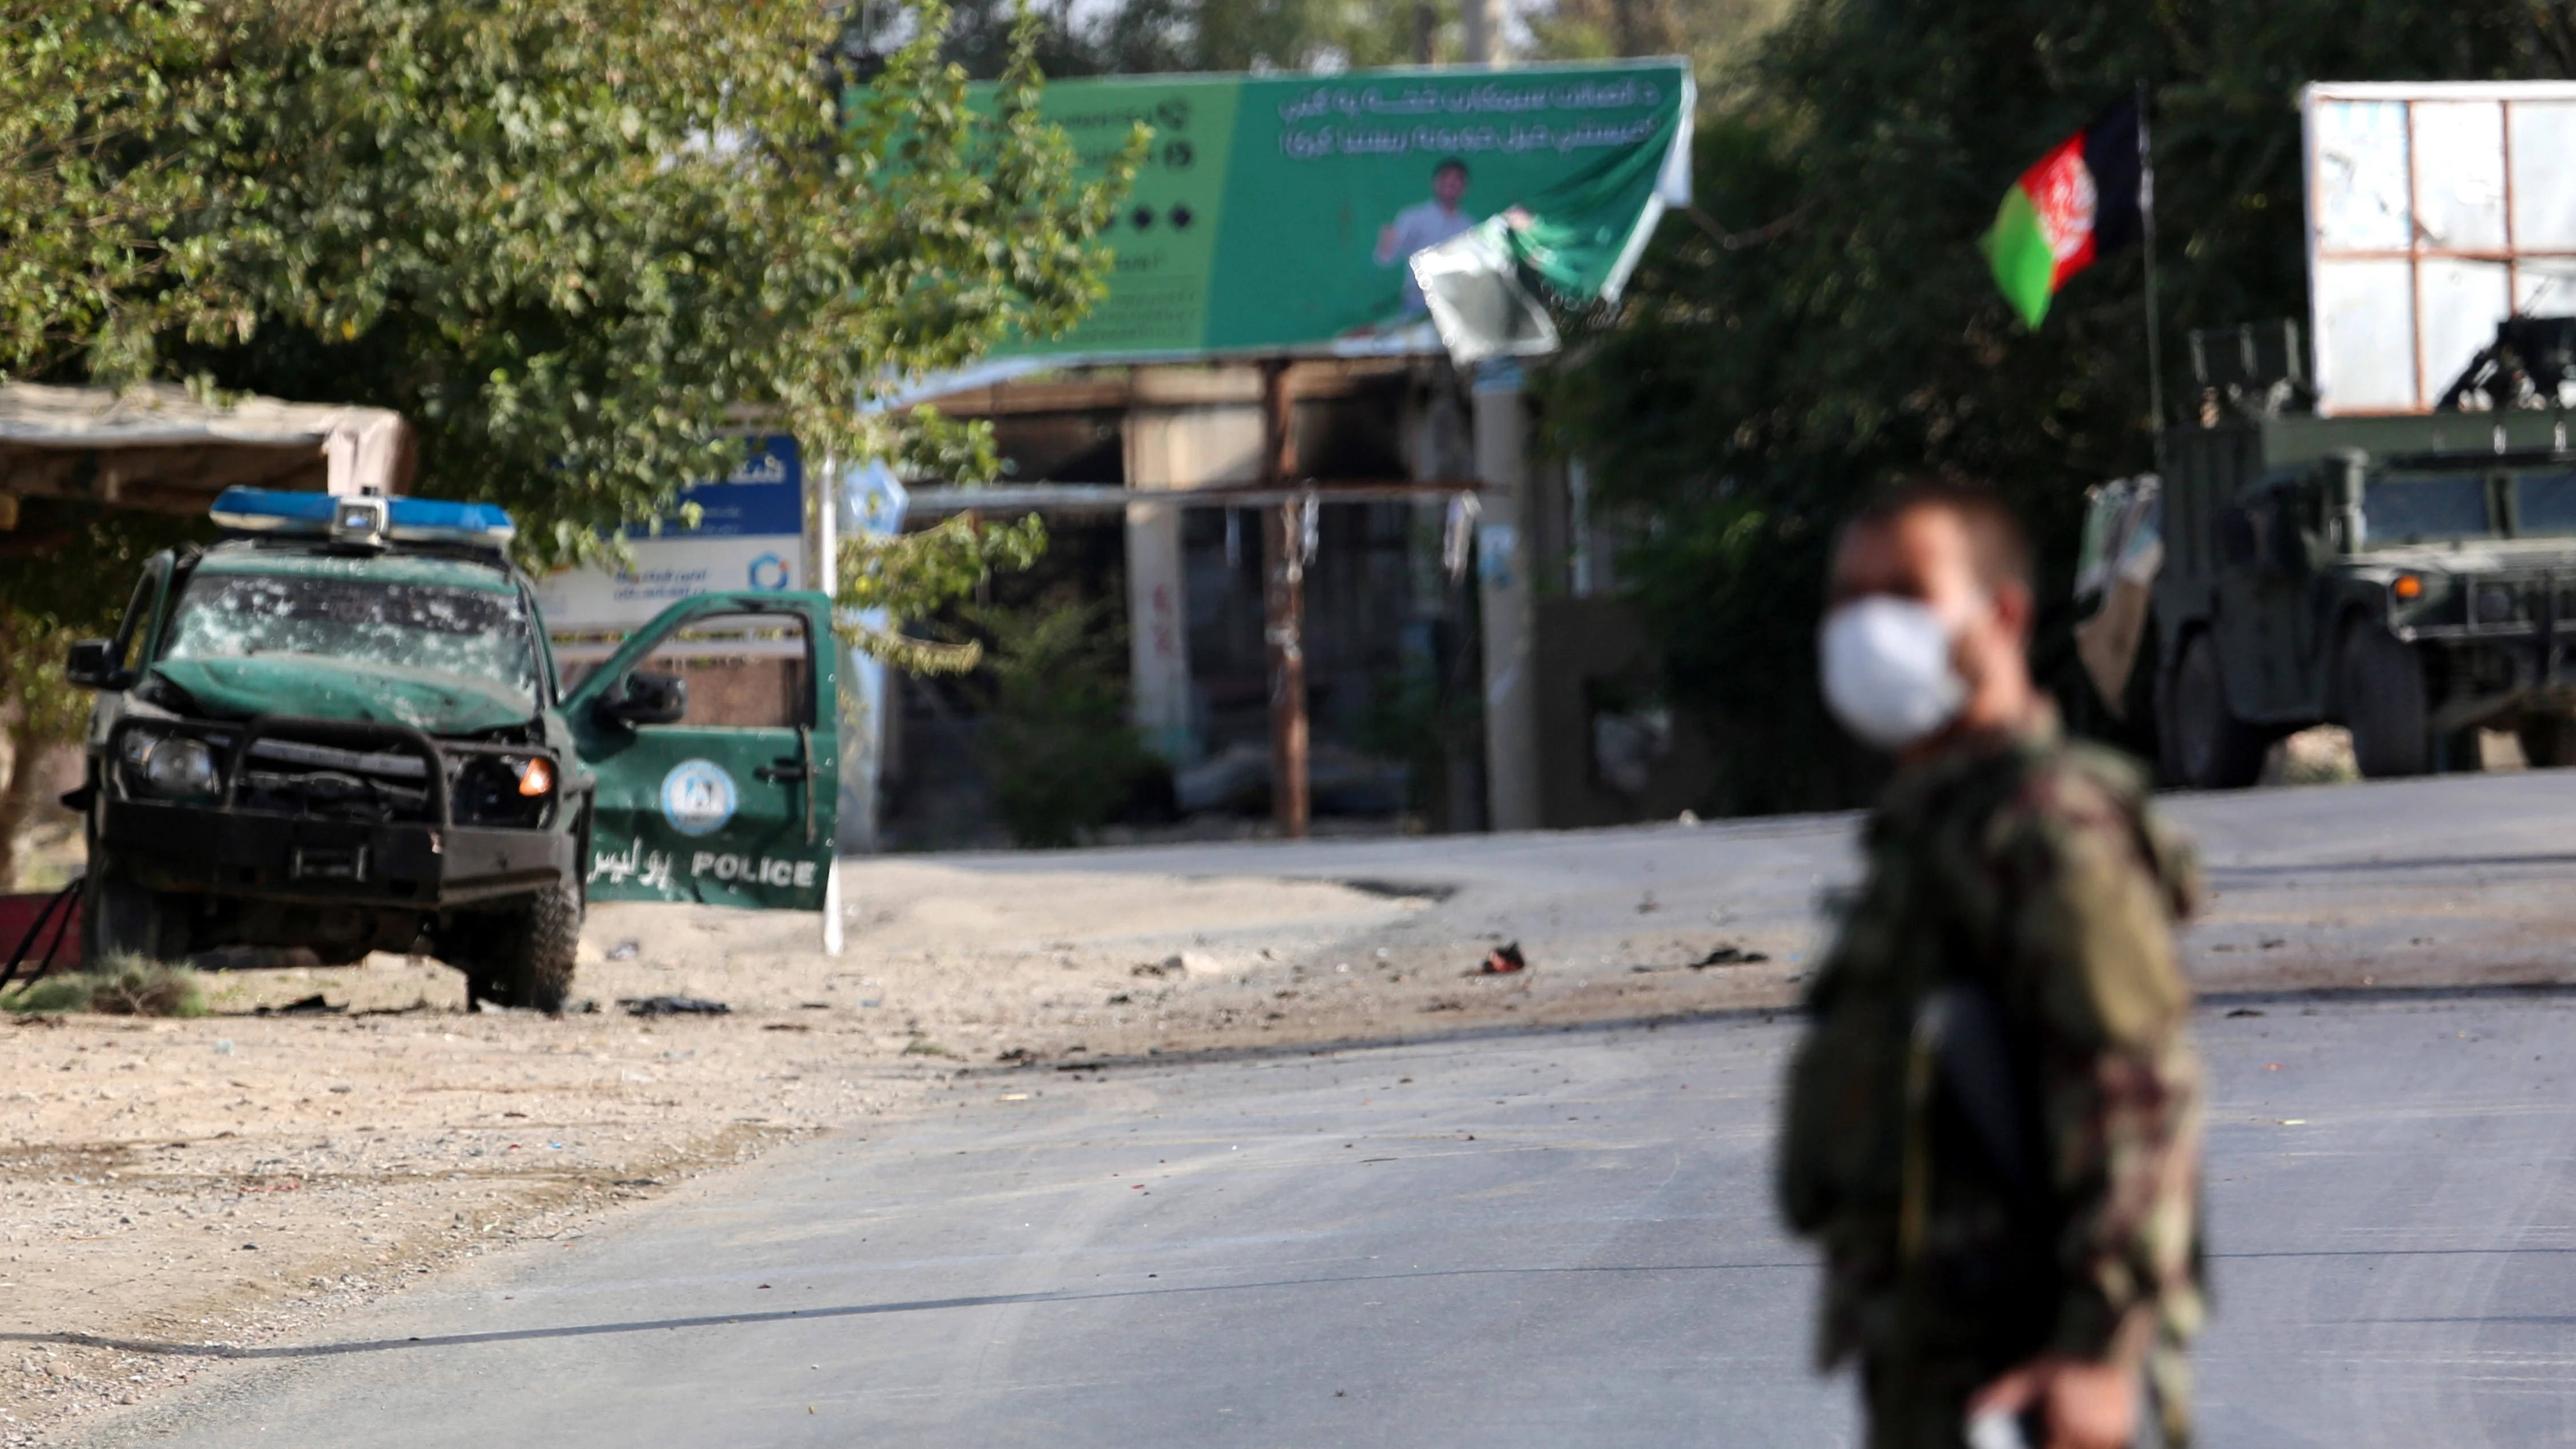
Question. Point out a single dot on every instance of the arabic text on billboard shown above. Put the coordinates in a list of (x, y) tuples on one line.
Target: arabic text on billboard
[(1277, 212)]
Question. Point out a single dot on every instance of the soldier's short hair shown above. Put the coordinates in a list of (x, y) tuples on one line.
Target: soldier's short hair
[(2001, 549)]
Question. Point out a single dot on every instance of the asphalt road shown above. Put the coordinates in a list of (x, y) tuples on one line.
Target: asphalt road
[(1550, 1237), (1519, 1239), (2442, 881)]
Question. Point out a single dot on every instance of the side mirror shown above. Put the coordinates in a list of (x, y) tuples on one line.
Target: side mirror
[(92, 665), (647, 697)]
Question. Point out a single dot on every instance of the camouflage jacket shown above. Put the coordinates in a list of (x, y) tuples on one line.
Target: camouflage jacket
[(2036, 873)]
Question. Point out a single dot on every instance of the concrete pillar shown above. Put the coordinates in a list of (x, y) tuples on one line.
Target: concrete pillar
[(1186, 428), (1503, 582), (1158, 652)]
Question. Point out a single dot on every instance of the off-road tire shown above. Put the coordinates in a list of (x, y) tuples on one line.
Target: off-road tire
[(2204, 745), (120, 917), (2548, 743), (523, 955), (2386, 704)]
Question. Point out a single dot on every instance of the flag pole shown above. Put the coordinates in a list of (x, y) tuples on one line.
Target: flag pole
[(2155, 327)]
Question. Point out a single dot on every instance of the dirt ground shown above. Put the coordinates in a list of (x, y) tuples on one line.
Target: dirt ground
[(172, 1185)]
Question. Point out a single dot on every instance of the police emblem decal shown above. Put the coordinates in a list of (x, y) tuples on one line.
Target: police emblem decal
[(698, 797)]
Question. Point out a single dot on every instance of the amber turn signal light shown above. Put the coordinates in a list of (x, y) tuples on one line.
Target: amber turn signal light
[(536, 778), (2408, 586)]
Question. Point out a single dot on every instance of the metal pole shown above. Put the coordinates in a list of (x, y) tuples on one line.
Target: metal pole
[(1503, 558), (1484, 26), (2155, 323), (827, 581), (1285, 607)]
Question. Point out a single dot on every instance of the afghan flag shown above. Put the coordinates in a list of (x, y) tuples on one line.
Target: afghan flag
[(2085, 199)]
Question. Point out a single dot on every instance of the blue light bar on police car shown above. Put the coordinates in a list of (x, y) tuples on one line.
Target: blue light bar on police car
[(406, 520)]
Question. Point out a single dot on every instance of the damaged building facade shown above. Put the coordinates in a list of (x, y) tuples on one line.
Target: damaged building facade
[(1170, 516)]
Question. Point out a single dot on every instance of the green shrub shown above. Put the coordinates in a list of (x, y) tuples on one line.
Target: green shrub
[(128, 986), (1056, 743)]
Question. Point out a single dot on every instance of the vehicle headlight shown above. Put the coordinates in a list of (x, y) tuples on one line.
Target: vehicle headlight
[(536, 776), (2497, 605), (173, 767)]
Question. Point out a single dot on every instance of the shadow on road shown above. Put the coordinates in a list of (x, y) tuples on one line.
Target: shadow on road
[(852, 1310)]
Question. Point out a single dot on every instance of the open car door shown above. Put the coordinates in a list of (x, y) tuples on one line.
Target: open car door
[(712, 736)]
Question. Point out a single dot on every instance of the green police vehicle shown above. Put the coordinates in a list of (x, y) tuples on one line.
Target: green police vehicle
[(341, 728), (2410, 577)]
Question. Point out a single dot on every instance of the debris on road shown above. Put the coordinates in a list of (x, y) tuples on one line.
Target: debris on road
[(1503, 960), (1729, 955), (672, 1006), (624, 950), (1185, 963)]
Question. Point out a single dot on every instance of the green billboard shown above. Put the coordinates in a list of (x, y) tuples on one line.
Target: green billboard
[(1276, 214)]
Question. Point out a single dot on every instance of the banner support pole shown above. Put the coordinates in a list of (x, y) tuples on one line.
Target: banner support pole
[(2155, 323)]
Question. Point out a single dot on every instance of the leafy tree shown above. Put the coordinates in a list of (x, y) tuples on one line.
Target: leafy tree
[(1829, 321), (1143, 36), (904, 580), (92, 265), (1712, 33), (568, 238)]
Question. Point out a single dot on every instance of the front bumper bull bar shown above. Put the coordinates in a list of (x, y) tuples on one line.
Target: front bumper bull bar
[(223, 848)]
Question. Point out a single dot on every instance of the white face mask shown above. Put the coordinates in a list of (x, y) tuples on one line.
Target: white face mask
[(1887, 670)]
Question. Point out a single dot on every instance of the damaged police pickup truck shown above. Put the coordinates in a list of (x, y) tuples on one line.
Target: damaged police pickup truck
[(341, 728)]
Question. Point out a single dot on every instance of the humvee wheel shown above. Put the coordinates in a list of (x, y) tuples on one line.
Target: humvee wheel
[(2548, 743), (2384, 704), (522, 955), (2205, 746)]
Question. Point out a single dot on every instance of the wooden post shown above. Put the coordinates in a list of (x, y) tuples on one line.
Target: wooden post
[(1284, 539)]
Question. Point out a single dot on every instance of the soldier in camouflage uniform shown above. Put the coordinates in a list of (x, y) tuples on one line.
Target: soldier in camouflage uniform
[(1993, 1121)]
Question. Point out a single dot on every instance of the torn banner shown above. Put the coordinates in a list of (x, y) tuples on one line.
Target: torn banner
[(1281, 215)]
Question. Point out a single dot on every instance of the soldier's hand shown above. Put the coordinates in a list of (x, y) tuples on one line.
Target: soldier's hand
[(2087, 1405)]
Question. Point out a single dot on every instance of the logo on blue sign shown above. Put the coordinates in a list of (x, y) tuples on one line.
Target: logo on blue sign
[(769, 571), (763, 496), (698, 797)]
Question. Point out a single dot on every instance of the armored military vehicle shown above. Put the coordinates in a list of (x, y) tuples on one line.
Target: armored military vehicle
[(2410, 577), (341, 728)]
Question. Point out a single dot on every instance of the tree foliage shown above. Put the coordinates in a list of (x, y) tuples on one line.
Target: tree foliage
[(1711, 32), (1142, 36), (95, 258), (568, 239), (1828, 320), (887, 581), (571, 240)]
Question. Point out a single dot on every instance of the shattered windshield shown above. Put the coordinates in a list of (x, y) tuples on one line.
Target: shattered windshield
[(472, 632), (2416, 510)]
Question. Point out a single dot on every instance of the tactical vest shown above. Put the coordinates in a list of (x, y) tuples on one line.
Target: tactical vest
[(1913, 1149)]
